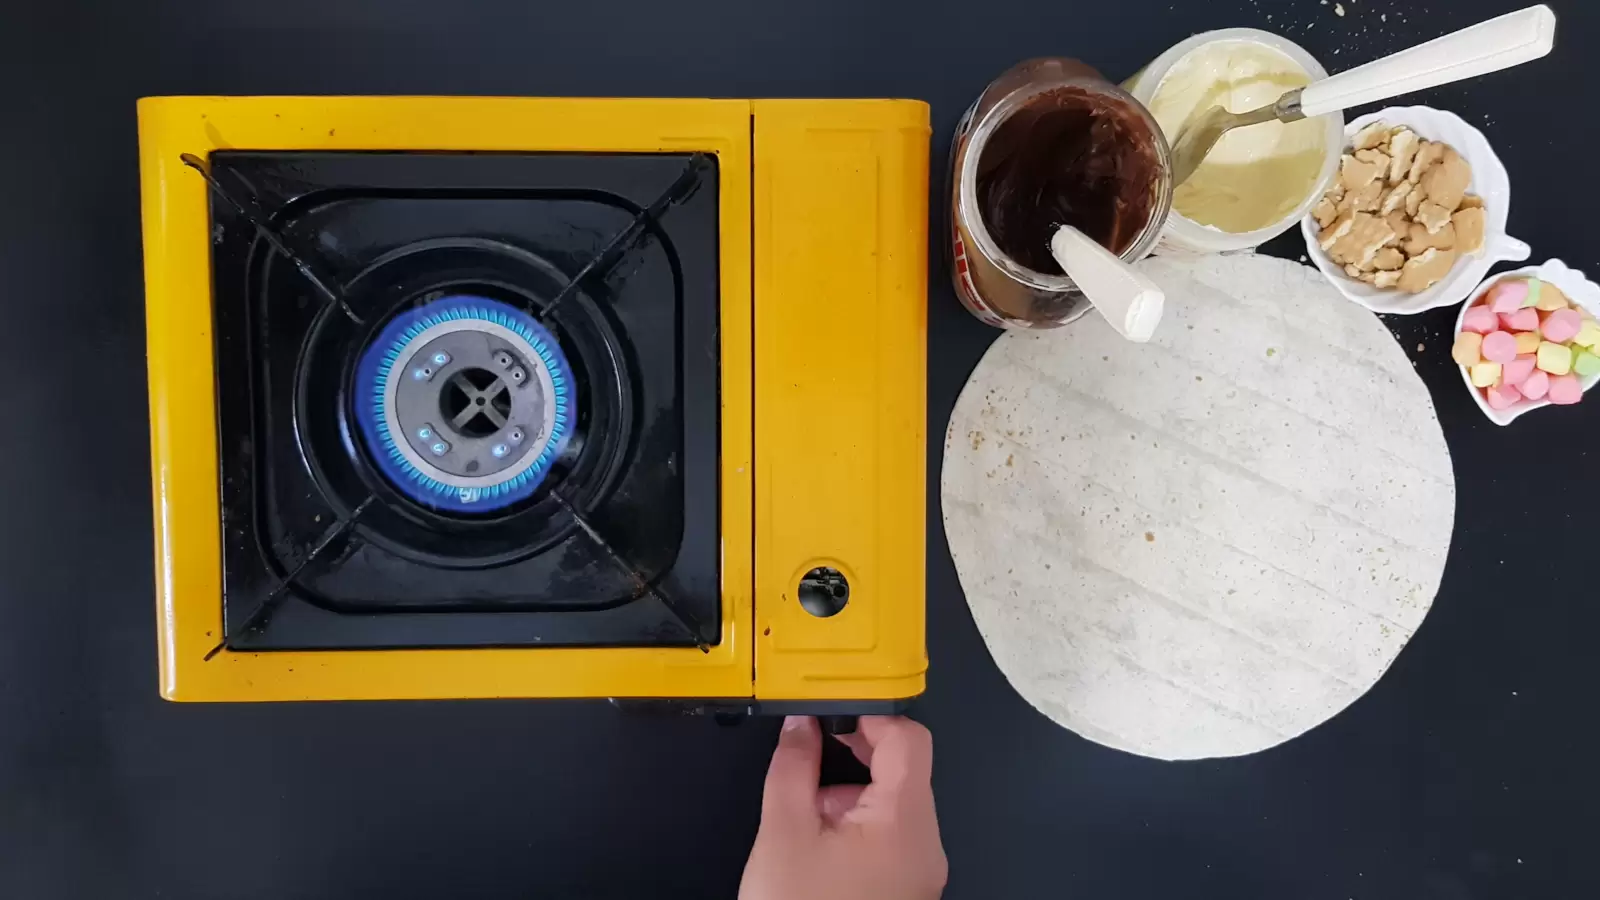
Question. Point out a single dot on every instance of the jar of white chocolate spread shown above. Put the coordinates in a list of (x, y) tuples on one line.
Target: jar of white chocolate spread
[(1259, 181)]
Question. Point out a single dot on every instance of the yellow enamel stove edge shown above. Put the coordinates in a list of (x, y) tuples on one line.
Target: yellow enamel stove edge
[(841, 287), (814, 154)]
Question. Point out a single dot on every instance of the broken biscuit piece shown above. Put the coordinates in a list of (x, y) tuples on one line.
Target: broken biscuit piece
[(1395, 198), (1337, 230), (1324, 212), (1376, 157), (1389, 258), (1381, 278), (1428, 153), (1367, 235), (1446, 183), (1402, 226), (1413, 200), (1367, 199), (1424, 271), (1402, 151), (1386, 280), (1433, 215), (1356, 174), (1468, 223), (1371, 136), (1420, 239)]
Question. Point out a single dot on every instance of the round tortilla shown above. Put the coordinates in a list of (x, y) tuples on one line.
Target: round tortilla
[(1208, 544)]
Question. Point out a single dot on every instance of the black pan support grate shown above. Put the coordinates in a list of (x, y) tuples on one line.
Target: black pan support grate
[(342, 528)]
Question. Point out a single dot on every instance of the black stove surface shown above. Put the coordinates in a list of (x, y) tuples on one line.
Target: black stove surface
[(332, 536)]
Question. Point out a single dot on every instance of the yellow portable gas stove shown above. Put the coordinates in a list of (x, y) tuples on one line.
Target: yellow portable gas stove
[(460, 397)]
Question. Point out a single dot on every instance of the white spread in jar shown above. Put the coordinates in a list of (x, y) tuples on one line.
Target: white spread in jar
[(1256, 176)]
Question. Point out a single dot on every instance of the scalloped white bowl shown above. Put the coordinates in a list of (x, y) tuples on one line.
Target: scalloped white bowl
[(1578, 289), (1489, 181)]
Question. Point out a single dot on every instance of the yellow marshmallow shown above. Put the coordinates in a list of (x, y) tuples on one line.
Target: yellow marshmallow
[(1528, 342), (1555, 358), (1588, 335), (1486, 374), (1551, 298)]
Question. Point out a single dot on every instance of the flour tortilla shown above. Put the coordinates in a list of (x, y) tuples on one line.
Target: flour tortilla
[(1209, 544)]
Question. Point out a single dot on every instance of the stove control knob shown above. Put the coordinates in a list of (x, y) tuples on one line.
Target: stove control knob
[(516, 435), (499, 451), (440, 448), (441, 358)]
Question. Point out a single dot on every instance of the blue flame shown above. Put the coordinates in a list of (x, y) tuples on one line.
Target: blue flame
[(376, 366)]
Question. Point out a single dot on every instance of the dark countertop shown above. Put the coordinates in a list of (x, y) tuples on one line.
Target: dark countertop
[(1468, 772)]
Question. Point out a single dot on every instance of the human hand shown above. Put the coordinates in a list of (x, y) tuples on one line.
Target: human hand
[(849, 841)]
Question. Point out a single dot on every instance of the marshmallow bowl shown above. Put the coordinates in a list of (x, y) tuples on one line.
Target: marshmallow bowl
[(1529, 338)]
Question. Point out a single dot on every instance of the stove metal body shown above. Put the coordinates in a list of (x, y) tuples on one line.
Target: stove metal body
[(820, 453)]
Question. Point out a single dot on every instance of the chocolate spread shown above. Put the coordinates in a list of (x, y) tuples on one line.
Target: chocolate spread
[(1067, 157)]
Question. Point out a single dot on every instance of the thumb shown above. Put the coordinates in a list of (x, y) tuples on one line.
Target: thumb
[(789, 799)]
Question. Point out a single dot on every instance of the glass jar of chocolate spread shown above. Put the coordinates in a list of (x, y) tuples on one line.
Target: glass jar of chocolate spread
[(1049, 143)]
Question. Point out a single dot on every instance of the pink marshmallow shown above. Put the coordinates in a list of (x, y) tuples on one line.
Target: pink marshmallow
[(1561, 326), (1507, 296), (1518, 370), (1500, 347), (1480, 319), (1536, 385), (1565, 390), (1521, 320), (1503, 397)]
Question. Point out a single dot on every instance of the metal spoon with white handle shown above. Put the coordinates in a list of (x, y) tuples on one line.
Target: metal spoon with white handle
[(1510, 40), (1129, 300)]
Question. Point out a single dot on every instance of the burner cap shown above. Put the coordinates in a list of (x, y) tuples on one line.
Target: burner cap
[(464, 402)]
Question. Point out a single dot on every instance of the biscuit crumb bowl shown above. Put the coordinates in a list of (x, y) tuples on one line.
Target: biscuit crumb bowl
[(1385, 226)]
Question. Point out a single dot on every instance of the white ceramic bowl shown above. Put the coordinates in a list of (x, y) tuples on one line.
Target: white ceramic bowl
[(1489, 181), (1578, 289)]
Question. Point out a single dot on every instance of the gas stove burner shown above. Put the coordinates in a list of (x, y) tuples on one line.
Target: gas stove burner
[(465, 402), (370, 499)]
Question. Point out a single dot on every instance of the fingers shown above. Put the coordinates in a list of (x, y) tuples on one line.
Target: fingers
[(790, 796), (900, 751), (857, 742), (836, 800), (897, 751)]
